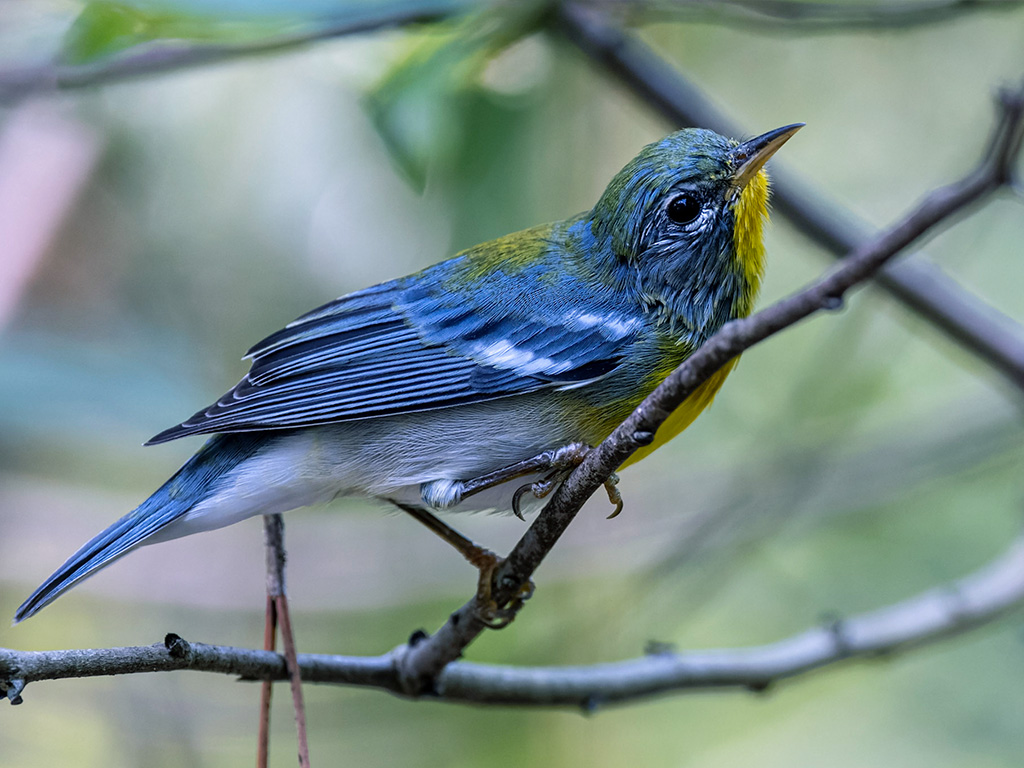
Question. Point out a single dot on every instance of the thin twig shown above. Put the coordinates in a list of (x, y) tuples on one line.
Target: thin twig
[(760, 15), (979, 328), (808, 17), (273, 532), (294, 679), (170, 56), (932, 615), (267, 689), (273, 544)]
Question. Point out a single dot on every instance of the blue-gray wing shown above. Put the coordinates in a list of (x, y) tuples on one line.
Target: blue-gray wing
[(398, 348)]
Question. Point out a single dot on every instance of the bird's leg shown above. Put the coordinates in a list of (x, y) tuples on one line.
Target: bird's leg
[(445, 494), (479, 557), (484, 560), (556, 459), (561, 463)]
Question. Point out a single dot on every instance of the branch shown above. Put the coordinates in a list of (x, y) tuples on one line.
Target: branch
[(166, 56), (759, 14), (424, 661), (816, 17), (935, 614), (278, 612), (979, 328)]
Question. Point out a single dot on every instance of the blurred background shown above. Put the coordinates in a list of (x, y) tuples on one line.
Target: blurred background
[(152, 229)]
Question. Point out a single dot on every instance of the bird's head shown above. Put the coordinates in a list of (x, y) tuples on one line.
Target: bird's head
[(683, 221)]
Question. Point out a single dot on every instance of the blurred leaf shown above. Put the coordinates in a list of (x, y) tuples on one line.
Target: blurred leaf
[(418, 107), (101, 30), (118, 385), (412, 107), (104, 29)]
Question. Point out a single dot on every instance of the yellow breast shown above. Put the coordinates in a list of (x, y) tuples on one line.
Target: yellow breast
[(751, 212), (683, 416)]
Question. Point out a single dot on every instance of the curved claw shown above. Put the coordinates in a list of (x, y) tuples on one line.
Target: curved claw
[(500, 620), (614, 495), (523, 489), (493, 617), (497, 618), (539, 489)]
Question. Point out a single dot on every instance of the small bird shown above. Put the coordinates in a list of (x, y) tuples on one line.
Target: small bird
[(424, 390)]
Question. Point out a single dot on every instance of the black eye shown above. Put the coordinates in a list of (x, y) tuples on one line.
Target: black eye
[(683, 209)]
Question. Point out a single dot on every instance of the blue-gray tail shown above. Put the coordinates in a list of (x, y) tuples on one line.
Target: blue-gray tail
[(195, 481)]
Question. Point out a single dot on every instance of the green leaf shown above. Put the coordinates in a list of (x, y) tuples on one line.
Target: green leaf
[(412, 107), (104, 29), (417, 107)]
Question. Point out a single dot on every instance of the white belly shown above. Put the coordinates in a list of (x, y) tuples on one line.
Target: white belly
[(388, 458)]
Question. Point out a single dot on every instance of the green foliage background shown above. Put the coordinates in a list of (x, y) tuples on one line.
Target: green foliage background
[(850, 462)]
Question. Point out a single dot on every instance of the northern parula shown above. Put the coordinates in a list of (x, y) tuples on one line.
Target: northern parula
[(537, 340)]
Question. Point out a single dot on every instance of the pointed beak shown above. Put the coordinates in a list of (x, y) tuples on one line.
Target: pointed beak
[(750, 156)]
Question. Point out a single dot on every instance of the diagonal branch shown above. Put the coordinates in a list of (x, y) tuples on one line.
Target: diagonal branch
[(424, 661), (809, 17), (981, 329)]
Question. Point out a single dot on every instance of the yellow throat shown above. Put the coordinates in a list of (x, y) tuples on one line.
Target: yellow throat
[(751, 213)]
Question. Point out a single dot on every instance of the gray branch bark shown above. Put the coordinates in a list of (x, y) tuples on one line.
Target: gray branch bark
[(803, 17), (424, 661), (935, 614)]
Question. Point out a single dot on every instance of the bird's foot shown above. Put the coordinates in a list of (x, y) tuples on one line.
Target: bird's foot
[(489, 612), (611, 487), (563, 462), (445, 494)]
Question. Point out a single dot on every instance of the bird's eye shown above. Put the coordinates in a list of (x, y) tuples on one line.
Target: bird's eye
[(683, 209)]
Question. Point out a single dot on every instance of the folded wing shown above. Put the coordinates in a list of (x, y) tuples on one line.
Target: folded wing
[(400, 347)]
